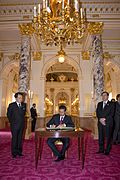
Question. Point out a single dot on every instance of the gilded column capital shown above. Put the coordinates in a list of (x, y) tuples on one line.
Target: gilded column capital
[(26, 29), (95, 28)]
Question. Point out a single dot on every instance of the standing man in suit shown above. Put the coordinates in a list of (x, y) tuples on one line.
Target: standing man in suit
[(105, 113), (33, 116), (60, 120), (16, 115), (116, 134)]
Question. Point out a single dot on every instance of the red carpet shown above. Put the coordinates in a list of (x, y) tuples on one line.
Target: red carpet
[(97, 167)]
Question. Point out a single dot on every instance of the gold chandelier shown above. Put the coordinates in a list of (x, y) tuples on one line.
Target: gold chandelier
[(59, 22)]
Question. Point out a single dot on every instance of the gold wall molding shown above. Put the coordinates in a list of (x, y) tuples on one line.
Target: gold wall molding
[(16, 57), (90, 10), (107, 55), (26, 29), (37, 56), (85, 55), (87, 2), (24, 8), (95, 28)]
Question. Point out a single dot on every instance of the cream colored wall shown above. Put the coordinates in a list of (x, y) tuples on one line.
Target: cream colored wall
[(8, 70), (37, 85), (112, 69), (86, 89)]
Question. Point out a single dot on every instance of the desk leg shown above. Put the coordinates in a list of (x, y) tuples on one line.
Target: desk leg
[(83, 153), (78, 148)]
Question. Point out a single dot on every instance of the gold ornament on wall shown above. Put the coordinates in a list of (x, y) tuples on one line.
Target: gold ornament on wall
[(16, 57), (37, 56), (85, 55), (106, 55), (62, 78)]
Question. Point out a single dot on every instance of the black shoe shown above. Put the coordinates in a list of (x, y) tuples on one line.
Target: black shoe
[(14, 156), (20, 154), (107, 153), (60, 158), (100, 152)]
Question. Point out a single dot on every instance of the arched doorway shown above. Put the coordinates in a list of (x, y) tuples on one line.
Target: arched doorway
[(9, 85), (61, 87)]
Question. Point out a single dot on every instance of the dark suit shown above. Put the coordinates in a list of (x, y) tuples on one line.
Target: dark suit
[(116, 134), (34, 117), (51, 141), (16, 116), (107, 112)]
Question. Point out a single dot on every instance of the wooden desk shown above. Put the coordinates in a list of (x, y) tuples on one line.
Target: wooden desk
[(41, 133)]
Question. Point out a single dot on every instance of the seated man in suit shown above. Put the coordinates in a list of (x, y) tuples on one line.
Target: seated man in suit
[(60, 120)]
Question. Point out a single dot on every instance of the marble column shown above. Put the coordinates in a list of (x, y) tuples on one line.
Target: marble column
[(98, 68), (95, 29), (25, 70)]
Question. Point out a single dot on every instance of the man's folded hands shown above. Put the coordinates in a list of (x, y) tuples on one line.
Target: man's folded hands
[(102, 120)]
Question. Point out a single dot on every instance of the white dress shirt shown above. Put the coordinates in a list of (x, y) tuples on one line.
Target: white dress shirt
[(62, 117), (19, 104), (104, 103)]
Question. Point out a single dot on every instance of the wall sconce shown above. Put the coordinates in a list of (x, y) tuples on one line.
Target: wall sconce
[(75, 101), (49, 101)]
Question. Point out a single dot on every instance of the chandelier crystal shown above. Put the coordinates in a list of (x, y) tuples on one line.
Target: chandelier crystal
[(59, 22)]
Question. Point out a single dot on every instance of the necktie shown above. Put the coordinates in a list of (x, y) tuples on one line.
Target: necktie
[(104, 104), (61, 120), (19, 105)]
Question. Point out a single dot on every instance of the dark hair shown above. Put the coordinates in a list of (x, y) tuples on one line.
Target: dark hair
[(18, 93), (34, 104), (118, 95), (63, 107), (105, 92)]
